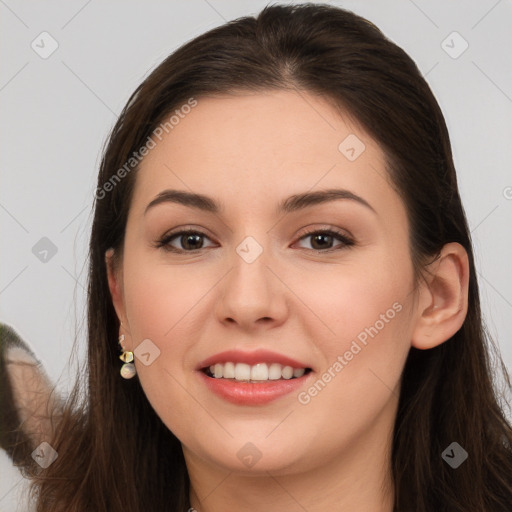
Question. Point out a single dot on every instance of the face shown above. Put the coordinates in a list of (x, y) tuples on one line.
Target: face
[(276, 280)]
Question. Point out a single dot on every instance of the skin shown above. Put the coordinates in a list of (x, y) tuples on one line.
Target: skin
[(250, 151)]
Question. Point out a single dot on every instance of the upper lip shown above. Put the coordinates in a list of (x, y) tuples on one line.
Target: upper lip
[(251, 358)]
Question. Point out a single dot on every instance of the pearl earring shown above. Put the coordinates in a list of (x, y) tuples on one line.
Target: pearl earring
[(128, 369)]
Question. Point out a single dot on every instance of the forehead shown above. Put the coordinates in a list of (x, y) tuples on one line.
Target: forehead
[(265, 145)]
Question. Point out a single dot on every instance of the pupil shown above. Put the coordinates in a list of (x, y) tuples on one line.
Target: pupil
[(322, 238), (191, 238)]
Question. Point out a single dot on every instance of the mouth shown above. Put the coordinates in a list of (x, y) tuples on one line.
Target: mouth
[(254, 374), (253, 378)]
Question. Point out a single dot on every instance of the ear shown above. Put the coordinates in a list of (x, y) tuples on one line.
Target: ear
[(443, 299), (115, 284)]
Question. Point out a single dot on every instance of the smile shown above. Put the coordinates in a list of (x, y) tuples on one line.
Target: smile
[(253, 378), (260, 372)]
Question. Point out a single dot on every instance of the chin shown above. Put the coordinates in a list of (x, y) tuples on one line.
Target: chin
[(256, 457)]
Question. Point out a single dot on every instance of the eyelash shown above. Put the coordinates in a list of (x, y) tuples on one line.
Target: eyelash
[(347, 242)]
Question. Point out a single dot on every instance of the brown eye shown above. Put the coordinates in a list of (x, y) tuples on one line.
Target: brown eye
[(323, 240), (191, 241), (187, 241)]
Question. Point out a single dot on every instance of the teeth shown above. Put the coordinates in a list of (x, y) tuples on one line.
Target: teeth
[(257, 372), (298, 372), (287, 372), (242, 371), (274, 372), (229, 371), (218, 371)]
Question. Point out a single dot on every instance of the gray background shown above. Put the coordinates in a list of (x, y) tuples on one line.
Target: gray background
[(57, 112)]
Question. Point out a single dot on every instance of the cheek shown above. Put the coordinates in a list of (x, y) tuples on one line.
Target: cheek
[(350, 301), (368, 309), (159, 305), (363, 360), (160, 298)]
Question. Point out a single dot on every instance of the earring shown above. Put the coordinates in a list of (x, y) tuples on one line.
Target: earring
[(128, 369)]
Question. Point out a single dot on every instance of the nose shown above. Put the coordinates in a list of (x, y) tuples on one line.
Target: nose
[(251, 295)]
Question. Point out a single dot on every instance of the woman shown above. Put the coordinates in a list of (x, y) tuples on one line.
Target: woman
[(280, 256)]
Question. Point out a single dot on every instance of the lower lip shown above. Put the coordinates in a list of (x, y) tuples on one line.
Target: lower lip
[(248, 393)]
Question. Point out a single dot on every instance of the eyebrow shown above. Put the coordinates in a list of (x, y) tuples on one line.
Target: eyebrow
[(289, 205)]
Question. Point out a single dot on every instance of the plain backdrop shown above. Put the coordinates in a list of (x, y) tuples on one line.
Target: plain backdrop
[(58, 108)]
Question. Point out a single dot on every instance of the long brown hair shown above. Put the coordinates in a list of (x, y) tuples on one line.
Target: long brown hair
[(114, 451)]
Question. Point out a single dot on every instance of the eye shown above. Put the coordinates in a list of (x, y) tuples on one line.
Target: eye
[(189, 241), (322, 240)]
